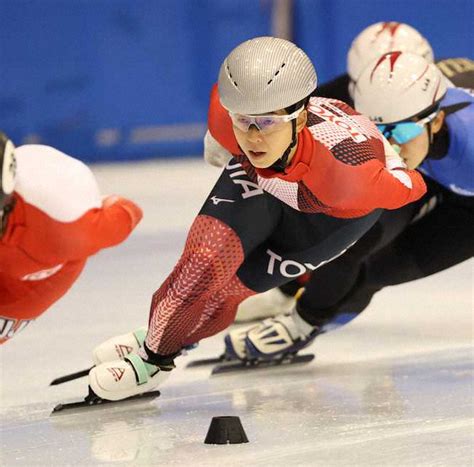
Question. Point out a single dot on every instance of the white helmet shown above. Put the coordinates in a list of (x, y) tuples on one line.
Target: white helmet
[(265, 74), (398, 86), (380, 38)]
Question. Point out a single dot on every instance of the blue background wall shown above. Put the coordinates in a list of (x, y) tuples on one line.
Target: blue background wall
[(325, 28), (126, 79)]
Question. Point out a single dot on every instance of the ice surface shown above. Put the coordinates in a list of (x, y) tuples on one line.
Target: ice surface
[(392, 388)]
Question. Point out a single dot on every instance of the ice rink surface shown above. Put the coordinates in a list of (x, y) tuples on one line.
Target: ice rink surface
[(392, 388)]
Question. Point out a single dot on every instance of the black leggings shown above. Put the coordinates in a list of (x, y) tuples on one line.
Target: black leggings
[(410, 243)]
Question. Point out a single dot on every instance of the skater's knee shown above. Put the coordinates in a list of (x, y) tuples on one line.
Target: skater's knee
[(214, 247)]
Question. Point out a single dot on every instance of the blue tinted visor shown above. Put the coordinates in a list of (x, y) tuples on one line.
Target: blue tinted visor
[(401, 132), (406, 131)]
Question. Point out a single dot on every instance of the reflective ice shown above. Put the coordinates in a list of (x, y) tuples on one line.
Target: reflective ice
[(394, 387)]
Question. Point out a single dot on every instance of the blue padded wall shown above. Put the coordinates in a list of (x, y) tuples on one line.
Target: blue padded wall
[(127, 79), (116, 79)]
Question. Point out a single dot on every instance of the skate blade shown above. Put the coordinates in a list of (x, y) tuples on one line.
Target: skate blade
[(70, 377), (261, 364), (209, 361), (92, 400)]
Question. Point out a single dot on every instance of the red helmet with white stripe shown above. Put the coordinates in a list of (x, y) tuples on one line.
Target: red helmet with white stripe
[(380, 38), (398, 86)]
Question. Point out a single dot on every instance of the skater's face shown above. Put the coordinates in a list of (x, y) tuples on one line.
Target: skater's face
[(414, 151), (265, 145)]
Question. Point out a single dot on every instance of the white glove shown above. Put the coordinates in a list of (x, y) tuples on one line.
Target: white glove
[(214, 153), (392, 158)]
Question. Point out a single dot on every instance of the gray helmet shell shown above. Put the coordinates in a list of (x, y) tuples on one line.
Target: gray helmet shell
[(265, 74)]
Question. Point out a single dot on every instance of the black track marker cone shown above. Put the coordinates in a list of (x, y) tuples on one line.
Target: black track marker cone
[(226, 430)]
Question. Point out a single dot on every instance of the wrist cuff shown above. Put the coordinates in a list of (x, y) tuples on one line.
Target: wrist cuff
[(164, 362)]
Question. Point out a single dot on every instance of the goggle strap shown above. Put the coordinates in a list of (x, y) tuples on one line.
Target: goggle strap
[(284, 118)]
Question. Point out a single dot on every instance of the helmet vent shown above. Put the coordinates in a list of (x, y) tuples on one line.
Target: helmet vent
[(231, 78), (276, 73)]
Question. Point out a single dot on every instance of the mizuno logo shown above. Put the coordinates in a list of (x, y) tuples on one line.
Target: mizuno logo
[(217, 200)]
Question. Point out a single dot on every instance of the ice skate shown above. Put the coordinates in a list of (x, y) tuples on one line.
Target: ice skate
[(235, 344), (276, 337), (122, 379), (117, 347), (273, 342)]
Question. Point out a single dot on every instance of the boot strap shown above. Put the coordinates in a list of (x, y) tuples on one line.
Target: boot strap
[(140, 335), (142, 369)]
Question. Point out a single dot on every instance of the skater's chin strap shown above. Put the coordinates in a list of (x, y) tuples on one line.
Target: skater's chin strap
[(281, 164)]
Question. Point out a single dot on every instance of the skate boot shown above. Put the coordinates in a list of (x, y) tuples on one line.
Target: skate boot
[(235, 344), (265, 305), (120, 379), (280, 336), (119, 347)]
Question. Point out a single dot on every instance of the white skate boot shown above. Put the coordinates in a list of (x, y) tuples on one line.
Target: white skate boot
[(121, 379), (265, 305), (283, 335), (119, 347), (235, 344)]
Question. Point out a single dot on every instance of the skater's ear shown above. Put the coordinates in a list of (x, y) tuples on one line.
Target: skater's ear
[(438, 121)]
